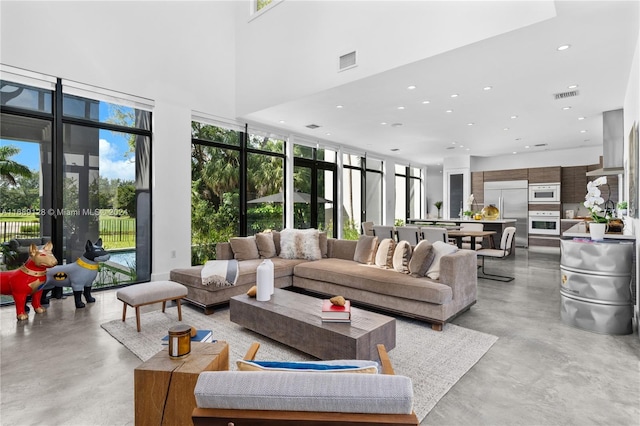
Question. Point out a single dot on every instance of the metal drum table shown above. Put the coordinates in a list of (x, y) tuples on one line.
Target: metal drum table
[(595, 288)]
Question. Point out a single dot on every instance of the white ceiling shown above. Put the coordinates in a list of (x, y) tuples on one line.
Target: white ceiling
[(523, 68)]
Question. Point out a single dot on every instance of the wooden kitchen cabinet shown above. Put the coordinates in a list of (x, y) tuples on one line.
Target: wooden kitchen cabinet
[(477, 188), (574, 184), (545, 174)]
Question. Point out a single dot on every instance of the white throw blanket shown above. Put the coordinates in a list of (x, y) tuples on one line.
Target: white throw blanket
[(221, 273)]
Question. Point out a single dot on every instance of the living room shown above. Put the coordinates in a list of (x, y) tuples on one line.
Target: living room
[(201, 59)]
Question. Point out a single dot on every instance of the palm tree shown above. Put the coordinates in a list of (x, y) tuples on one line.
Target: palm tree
[(9, 169)]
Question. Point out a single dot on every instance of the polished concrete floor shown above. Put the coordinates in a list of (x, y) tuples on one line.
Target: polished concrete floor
[(61, 368)]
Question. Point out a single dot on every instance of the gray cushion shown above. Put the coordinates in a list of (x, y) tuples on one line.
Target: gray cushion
[(244, 248), (365, 249), (266, 245), (421, 259), (305, 391)]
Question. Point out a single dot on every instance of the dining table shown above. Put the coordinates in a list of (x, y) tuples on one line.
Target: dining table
[(458, 234)]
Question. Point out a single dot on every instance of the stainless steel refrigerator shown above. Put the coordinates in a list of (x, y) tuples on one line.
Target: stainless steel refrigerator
[(512, 199)]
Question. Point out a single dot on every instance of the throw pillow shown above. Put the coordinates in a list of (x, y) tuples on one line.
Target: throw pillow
[(365, 249), (300, 244), (324, 245), (401, 257), (335, 366), (440, 249), (244, 248), (266, 245), (384, 254), (421, 259)]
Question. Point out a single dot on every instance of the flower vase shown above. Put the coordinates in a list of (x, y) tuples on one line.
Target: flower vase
[(597, 231)]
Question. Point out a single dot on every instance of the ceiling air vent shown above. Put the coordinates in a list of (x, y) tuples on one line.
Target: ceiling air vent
[(312, 126), (565, 95), (540, 145), (347, 61)]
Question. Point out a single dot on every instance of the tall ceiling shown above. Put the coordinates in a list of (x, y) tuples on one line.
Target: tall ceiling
[(490, 98)]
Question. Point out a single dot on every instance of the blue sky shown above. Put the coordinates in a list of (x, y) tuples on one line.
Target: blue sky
[(112, 148)]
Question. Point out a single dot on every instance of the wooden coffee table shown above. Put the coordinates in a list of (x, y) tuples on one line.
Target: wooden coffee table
[(294, 320)]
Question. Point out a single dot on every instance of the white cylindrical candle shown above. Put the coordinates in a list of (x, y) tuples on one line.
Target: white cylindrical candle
[(262, 277)]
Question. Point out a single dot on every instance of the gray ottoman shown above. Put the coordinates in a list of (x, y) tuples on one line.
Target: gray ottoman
[(148, 293)]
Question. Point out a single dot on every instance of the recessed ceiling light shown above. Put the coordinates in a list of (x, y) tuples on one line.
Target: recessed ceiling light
[(449, 110), (583, 131), (461, 146), (328, 134), (455, 95), (426, 102), (339, 106), (564, 47), (573, 86), (566, 108), (506, 128), (581, 118), (470, 124), (400, 107), (411, 87), (468, 149), (514, 117), (281, 121), (454, 142), (514, 152), (526, 146), (487, 88)]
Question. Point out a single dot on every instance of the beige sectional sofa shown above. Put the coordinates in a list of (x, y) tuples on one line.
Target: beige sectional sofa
[(371, 280)]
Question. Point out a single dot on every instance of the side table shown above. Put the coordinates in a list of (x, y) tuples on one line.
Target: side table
[(163, 389)]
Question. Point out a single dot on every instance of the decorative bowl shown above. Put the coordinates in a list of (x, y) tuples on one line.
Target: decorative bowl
[(490, 212)]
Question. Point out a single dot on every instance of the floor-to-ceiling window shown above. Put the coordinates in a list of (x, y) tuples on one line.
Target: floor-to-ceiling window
[(79, 170), (215, 188), (226, 158), (373, 192), (315, 188), (361, 193), (409, 196)]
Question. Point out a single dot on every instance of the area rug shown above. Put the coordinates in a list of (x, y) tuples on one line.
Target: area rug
[(434, 360)]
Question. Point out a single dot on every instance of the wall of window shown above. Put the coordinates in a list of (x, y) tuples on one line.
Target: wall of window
[(224, 160), (80, 171)]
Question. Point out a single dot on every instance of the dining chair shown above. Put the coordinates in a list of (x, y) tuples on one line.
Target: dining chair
[(466, 241), (367, 228), (435, 233), (409, 233), (505, 250), (383, 231)]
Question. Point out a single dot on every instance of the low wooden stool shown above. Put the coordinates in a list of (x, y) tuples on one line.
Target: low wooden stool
[(148, 293)]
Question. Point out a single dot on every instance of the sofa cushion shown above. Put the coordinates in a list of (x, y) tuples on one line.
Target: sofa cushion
[(323, 242), (365, 249), (332, 366), (384, 254), (401, 257), (370, 278), (266, 245), (304, 391), (246, 272), (341, 249), (440, 249), (244, 248), (421, 258), (300, 244)]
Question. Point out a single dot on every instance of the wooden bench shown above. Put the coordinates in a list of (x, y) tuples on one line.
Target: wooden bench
[(153, 292)]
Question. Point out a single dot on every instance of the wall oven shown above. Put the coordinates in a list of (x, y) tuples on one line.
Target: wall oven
[(544, 193), (544, 222)]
